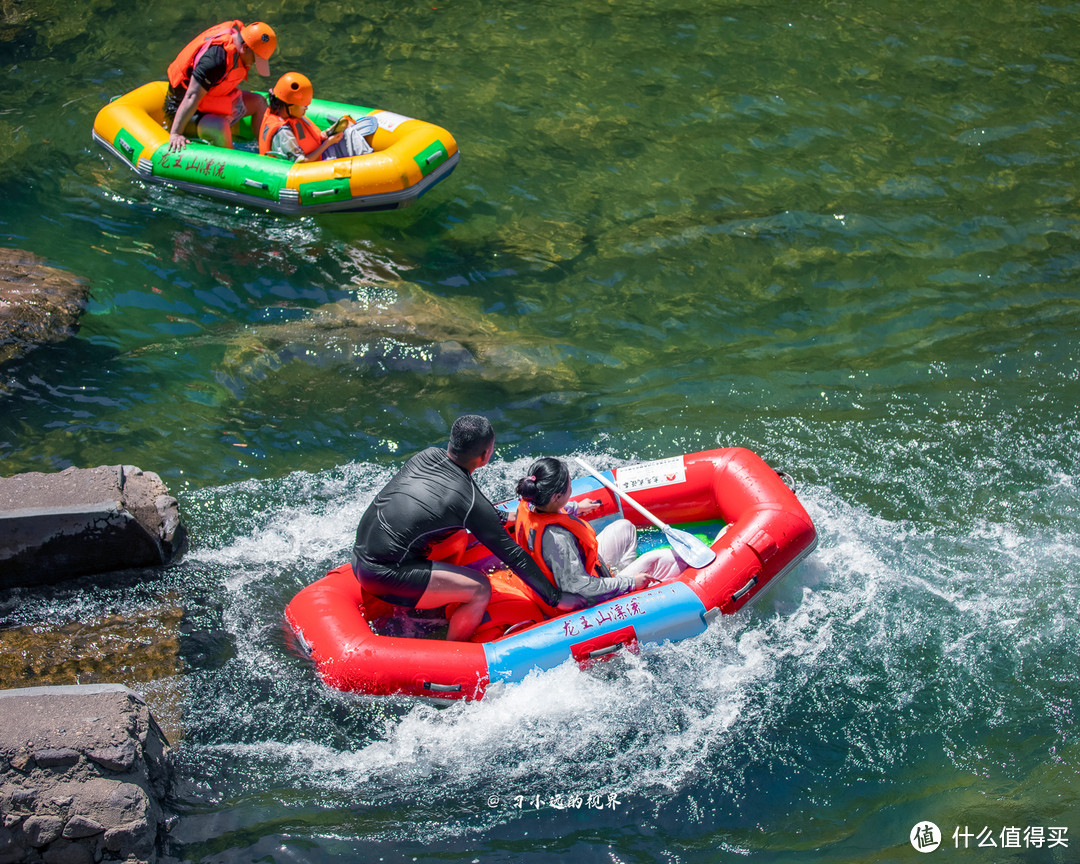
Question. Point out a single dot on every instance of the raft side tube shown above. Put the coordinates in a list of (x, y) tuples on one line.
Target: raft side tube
[(769, 531), (668, 612), (328, 616), (238, 170), (130, 125)]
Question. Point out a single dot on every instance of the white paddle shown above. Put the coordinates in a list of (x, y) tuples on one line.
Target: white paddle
[(688, 547)]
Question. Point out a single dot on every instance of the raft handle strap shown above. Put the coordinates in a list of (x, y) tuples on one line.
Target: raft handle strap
[(319, 193), (521, 625), (258, 184), (434, 156), (738, 595), (788, 480), (442, 688), (126, 147), (610, 649)]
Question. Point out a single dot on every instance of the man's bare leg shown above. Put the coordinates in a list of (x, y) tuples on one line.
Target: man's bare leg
[(453, 584)]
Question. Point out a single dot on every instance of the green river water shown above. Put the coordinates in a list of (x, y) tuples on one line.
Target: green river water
[(844, 235)]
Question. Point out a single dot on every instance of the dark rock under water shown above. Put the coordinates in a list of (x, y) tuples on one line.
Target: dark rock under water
[(38, 303)]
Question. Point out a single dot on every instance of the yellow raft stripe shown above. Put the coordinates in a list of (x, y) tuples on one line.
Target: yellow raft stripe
[(391, 167), (140, 114)]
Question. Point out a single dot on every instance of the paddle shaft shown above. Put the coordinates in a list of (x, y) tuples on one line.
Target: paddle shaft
[(685, 546), (621, 494)]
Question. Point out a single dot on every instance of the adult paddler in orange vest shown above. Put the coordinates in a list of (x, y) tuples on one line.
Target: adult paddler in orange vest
[(204, 98), (570, 552)]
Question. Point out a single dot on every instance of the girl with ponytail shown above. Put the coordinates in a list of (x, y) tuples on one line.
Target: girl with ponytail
[(567, 549)]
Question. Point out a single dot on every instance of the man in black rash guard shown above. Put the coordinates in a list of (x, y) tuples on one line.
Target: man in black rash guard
[(429, 499)]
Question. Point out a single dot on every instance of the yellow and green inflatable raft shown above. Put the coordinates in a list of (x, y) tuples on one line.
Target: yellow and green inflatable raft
[(410, 157)]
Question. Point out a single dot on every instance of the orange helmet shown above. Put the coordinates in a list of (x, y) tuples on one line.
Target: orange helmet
[(261, 39), (294, 89)]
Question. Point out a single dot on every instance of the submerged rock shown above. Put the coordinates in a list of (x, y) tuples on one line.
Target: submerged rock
[(54, 527), (412, 331), (38, 303), (138, 647)]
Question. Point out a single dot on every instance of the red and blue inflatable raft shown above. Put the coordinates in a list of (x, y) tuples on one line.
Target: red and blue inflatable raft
[(749, 515)]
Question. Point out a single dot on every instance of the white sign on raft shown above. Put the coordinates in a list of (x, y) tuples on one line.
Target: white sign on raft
[(662, 472), (390, 121)]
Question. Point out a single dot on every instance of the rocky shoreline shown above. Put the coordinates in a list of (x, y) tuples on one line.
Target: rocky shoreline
[(84, 769), (84, 774), (57, 526)]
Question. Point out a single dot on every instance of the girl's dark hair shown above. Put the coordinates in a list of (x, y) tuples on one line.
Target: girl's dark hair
[(276, 105), (547, 478)]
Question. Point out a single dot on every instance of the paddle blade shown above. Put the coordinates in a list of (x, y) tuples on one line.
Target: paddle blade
[(689, 548)]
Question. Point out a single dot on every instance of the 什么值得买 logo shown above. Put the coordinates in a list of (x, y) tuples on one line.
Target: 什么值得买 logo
[(925, 837)]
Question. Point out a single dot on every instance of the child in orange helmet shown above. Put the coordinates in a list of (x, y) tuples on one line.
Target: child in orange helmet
[(288, 134)]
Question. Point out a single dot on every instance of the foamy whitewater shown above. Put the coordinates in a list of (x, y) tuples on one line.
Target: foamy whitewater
[(894, 633)]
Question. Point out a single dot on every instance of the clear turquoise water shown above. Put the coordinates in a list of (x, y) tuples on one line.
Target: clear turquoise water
[(843, 235)]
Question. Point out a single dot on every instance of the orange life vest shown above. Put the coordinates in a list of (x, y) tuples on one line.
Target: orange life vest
[(220, 98), (513, 605), (452, 549), (307, 134), (529, 529)]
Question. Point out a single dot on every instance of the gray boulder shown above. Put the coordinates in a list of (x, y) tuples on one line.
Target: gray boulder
[(59, 809), (85, 520)]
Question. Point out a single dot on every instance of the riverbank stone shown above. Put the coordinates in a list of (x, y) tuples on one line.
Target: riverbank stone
[(59, 809), (54, 527), (38, 303)]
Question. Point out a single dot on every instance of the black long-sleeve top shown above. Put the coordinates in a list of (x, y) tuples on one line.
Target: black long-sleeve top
[(425, 502)]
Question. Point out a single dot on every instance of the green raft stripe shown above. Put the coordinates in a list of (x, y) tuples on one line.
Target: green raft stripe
[(127, 145), (431, 157), (238, 170), (321, 191)]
